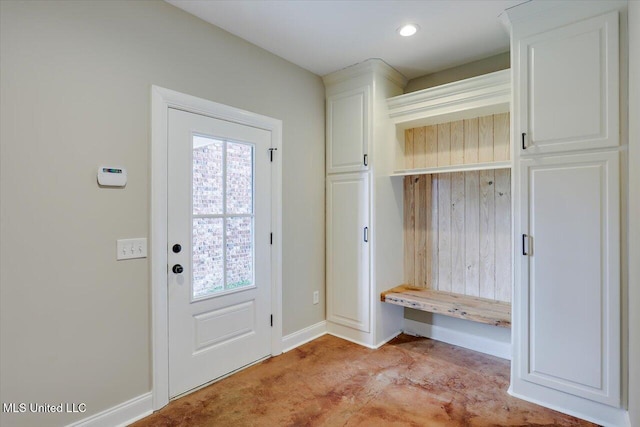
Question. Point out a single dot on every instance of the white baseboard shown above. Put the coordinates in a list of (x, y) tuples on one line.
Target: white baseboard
[(303, 336), (389, 338), (598, 413), (141, 406), (350, 339), (120, 415), (474, 342)]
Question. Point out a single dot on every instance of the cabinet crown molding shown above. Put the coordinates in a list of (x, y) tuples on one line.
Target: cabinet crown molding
[(538, 15), (373, 66), (473, 97)]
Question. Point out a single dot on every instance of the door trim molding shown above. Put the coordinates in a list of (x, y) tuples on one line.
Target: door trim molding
[(161, 100)]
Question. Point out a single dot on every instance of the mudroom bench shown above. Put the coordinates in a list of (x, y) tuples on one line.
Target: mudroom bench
[(483, 310)]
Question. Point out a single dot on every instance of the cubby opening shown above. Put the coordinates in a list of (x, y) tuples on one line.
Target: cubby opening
[(457, 220)]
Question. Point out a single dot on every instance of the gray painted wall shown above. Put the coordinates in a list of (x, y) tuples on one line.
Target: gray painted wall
[(75, 81), (465, 71)]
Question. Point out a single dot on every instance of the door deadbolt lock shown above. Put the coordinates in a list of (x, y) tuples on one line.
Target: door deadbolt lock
[(176, 248), (177, 269)]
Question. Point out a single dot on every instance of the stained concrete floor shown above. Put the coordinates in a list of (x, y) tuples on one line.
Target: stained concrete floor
[(331, 382)]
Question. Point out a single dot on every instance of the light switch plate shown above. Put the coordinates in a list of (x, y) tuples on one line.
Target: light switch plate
[(131, 248)]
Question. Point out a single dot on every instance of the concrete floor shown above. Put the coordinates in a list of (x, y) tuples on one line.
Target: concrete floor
[(331, 382)]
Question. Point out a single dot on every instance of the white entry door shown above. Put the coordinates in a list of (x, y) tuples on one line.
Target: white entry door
[(219, 251)]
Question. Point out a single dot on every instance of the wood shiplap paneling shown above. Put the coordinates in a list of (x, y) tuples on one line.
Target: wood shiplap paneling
[(479, 140), (444, 144), (418, 230), (408, 148), (472, 233), (457, 229), (503, 235), (458, 225), (457, 232), (485, 139), (433, 236), (422, 197), (487, 235), (431, 136), (457, 143), (409, 226), (501, 151), (501, 137), (419, 148), (444, 231), (471, 141)]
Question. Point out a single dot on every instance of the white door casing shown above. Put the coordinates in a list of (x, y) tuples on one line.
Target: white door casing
[(162, 100), (219, 198)]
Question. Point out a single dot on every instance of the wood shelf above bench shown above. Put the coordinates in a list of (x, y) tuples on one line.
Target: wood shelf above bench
[(481, 310)]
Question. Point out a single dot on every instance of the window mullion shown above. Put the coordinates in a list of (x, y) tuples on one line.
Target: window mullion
[(224, 214)]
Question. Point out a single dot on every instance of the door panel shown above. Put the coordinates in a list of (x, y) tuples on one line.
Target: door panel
[(570, 211), (219, 196), (348, 131), (569, 87), (223, 324), (348, 290)]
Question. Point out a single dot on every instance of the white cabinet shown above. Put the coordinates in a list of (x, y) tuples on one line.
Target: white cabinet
[(567, 306), (568, 79), (348, 130), (364, 242), (570, 279), (348, 250)]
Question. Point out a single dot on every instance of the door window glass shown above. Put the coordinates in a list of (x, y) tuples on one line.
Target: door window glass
[(223, 216)]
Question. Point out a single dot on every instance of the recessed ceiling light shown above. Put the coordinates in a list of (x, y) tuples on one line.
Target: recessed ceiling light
[(408, 30)]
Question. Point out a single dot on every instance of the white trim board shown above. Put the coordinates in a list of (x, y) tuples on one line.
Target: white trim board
[(372, 347), (474, 97), (161, 100), (472, 341), (120, 415), (303, 336), (595, 412)]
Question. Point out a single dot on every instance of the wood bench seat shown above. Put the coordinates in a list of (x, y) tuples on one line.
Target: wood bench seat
[(481, 310)]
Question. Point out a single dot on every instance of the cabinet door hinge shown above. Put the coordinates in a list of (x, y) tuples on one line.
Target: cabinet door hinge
[(271, 150)]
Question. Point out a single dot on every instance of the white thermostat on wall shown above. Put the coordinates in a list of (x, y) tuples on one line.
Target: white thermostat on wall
[(110, 176)]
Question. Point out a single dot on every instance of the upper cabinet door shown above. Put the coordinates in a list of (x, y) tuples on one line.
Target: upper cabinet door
[(348, 131), (568, 87)]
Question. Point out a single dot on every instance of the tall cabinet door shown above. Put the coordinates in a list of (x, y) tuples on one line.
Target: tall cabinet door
[(348, 130), (570, 274), (348, 290), (568, 86)]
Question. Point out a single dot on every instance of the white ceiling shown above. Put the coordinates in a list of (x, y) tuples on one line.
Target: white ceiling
[(325, 35)]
